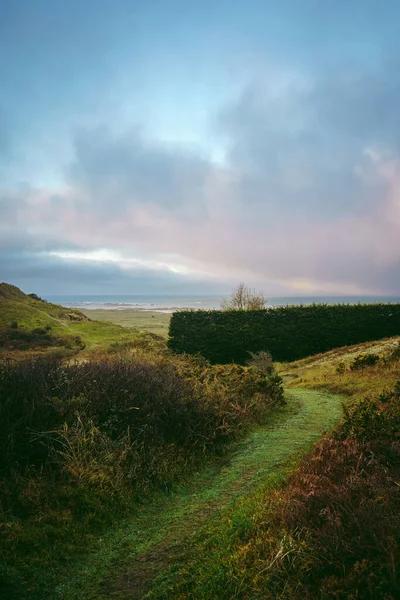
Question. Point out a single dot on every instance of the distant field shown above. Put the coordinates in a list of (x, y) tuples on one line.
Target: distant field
[(154, 322)]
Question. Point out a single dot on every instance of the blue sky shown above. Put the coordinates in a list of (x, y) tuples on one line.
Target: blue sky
[(172, 146)]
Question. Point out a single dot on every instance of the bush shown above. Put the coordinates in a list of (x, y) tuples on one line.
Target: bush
[(288, 333), (154, 416), (341, 367), (79, 441), (37, 298), (364, 360), (373, 418), (39, 337), (261, 361)]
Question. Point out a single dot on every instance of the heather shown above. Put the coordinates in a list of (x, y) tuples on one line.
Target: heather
[(83, 441)]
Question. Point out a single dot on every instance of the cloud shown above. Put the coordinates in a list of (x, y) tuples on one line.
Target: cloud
[(133, 170), (308, 200)]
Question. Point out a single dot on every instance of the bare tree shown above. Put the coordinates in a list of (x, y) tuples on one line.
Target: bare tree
[(244, 298)]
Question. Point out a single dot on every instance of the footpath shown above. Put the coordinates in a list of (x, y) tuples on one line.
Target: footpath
[(133, 554)]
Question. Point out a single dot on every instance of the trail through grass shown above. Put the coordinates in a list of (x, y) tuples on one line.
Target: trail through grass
[(126, 562)]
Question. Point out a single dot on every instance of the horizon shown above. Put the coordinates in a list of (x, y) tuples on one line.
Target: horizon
[(179, 150), (199, 295)]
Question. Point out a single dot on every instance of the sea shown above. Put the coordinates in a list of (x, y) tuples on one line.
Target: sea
[(170, 304)]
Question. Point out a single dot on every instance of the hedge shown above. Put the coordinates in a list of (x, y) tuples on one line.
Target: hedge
[(289, 332)]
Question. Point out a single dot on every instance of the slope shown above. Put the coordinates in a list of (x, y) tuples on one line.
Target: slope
[(29, 323), (29, 312)]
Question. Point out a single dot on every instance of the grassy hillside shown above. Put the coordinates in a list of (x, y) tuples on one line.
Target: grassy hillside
[(348, 370), (30, 323), (30, 312)]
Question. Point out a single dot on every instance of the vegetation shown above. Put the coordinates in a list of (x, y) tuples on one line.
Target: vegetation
[(244, 298), (79, 441), (166, 530), (144, 320), (28, 323), (288, 333), (28, 311), (333, 532), (333, 370), (110, 441)]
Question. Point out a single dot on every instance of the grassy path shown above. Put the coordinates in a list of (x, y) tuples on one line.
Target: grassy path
[(131, 556)]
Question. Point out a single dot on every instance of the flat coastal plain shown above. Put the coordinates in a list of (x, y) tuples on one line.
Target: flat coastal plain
[(146, 320)]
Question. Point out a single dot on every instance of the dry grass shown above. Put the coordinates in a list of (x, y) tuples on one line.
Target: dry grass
[(320, 371)]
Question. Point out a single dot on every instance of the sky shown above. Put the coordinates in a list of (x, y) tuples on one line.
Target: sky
[(181, 147)]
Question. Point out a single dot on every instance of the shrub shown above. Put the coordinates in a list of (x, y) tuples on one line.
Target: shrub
[(40, 337), (37, 298), (364, 360), (179, 408), (80, 440), (289, 333), (334, 532), (261, 361), (373, 418), (341, 367)]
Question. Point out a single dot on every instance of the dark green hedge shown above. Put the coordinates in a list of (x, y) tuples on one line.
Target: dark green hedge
[(289, 332)]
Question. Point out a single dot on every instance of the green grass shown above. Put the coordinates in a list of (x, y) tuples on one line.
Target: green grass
[(153, 322), (183, 545), (217, 502), (100, 334), (29, 314)]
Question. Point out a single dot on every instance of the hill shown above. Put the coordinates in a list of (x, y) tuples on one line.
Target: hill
[(29, 323), (29, 311)]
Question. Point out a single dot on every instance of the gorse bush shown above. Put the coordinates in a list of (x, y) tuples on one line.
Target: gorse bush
[(364, 360), (341, 367), (159, 401), (81, 440), (373, 419), (361, 361), (288, 333)]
